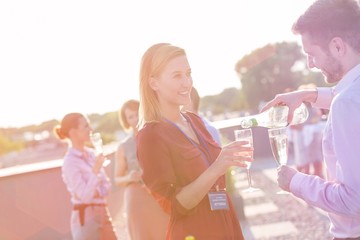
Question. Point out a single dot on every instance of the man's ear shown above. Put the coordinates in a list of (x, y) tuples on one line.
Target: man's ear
[(337, 45), (154, 83)]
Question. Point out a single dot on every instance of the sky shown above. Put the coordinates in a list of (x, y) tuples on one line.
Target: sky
[(67, 56)]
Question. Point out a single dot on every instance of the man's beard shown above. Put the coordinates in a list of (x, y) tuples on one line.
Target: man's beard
[(333, 71)]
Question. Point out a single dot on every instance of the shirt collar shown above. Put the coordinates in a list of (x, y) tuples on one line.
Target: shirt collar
[(77, 153), (349, 78)]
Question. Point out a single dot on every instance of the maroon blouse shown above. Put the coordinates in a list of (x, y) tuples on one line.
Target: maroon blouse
[(171, 161)]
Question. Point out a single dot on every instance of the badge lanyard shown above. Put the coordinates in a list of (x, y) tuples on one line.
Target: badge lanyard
[(201, 140), (206, 155), (217, 200)]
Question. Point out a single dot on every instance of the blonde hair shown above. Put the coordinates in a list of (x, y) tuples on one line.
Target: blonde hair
[(153, 62)]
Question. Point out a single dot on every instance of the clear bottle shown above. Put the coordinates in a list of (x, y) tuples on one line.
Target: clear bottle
[(276, 117)]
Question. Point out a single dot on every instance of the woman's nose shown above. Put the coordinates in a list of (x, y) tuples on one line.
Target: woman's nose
[(187, 80)]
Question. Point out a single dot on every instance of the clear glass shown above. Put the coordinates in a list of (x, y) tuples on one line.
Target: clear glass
[(279, 146), (246, 135), (97, 143)]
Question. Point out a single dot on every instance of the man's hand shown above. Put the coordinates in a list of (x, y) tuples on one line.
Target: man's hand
[(292, 99), (285, 174)]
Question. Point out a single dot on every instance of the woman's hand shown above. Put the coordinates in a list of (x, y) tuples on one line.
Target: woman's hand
[(135, 176), (99, 160), (232, 154), (236, 153)]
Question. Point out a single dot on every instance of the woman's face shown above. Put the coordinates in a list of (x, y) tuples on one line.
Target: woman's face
[(132, 117), (174, 84), (82, 132)]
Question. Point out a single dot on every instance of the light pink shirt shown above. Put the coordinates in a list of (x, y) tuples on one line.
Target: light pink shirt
[(83, 185), (339, 195)]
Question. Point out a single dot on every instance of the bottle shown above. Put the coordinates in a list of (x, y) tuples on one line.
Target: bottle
[(276, 117)]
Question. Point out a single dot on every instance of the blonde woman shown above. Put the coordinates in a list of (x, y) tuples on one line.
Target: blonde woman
[(183, 166), (145, 219)]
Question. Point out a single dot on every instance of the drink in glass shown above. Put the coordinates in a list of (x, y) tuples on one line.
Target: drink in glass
[(246, 135), (279, 146), (97, 143)]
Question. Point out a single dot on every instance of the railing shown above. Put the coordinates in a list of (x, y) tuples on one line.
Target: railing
[(35, 205)]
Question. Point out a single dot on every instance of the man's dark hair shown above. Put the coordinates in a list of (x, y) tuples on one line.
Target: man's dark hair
[(326, 19)]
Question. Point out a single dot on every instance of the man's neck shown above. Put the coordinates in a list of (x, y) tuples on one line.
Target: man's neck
[(351, 60)]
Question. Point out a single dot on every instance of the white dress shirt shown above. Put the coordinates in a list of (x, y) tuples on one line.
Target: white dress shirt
[(339, 195)]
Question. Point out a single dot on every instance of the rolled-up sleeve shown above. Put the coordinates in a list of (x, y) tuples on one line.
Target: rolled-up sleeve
[(324, 97), (341, 195)]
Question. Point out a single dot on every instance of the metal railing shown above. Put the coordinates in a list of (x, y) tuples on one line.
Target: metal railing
[(34, 203)]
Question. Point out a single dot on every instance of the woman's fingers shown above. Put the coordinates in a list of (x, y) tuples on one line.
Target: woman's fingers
[(242, 163)]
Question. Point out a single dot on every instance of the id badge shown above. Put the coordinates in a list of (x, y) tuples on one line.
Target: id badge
[(218, 201)]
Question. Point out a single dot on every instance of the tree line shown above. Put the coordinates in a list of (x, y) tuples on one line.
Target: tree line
[(263, 73)]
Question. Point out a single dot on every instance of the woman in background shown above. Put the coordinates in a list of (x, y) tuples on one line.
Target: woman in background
[(85, 180), (194, 107), (145, 219), (183, 166)]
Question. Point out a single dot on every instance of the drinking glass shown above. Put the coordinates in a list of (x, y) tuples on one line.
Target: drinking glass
[(246, 135), (279, 146), (97, 142)]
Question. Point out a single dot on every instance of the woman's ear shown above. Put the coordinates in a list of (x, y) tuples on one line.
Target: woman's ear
[(154, 83), (71, 133)]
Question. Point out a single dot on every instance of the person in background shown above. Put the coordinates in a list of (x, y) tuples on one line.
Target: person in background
[(194, 107), (86, 181), (182, 164), (306, 139), (312, 133), (145, 219), (330, 36)]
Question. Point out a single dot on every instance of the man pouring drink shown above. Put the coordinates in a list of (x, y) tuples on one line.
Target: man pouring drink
[(330, 36)]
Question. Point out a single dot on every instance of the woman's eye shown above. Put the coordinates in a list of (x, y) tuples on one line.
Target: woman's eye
[(177, 76)]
